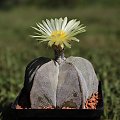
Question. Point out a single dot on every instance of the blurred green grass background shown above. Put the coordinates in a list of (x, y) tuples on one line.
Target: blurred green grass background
[(100, 44)]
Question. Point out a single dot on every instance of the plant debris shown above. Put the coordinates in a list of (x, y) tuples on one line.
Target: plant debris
[(92, 103)]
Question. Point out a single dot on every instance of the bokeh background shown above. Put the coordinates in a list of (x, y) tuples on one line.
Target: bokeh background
[(100, 44)]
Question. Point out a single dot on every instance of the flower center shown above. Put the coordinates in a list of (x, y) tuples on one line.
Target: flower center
[(58, 36)]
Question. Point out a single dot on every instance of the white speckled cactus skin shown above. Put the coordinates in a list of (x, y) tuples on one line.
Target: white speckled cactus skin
[(67, 84)]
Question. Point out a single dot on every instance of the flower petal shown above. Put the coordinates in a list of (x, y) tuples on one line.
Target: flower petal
[(38, 36), (53, 24), (68, 26), (62, 46), (50, 43), (64, 23), (44, 28), (42, 40), (79, 31), (60, 23), (67, 44), (49, 24), (57, 24), (75, 39), (74, 26), (45, 24), (39, 30)]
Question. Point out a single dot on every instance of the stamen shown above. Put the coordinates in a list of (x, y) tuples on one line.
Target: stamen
[(58, 36)]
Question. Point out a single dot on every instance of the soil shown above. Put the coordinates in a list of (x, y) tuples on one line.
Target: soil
[(91, 103)]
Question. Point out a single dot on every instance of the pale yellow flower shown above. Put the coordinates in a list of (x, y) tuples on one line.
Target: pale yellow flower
[(58, 32)]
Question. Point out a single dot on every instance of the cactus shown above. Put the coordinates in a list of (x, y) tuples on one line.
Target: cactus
[(59, 82), (65, 84)]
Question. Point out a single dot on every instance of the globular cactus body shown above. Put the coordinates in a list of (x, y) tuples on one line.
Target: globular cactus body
[(48, 83), (67, 84)]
